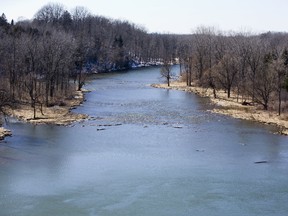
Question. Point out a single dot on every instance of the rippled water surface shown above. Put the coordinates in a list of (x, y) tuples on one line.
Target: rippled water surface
[(145, 151)]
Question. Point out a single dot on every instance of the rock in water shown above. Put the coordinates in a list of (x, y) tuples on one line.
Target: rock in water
[(259, 162)]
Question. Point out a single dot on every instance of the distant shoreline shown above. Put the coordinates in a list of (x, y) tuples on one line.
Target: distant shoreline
[(230, 106)]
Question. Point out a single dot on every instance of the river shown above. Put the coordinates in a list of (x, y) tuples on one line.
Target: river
[(144, 152)]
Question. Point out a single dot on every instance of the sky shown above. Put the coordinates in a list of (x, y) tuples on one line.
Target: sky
[(173, 16)]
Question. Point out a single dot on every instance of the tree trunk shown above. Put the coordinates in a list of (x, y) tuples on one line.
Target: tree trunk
[(190, 74), (187, 78), (79, 81), (34, 110), (279, 101), (228, 92), (47, 94), (214, 93)]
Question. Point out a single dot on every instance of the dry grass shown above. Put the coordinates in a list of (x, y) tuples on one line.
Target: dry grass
[(232, 107), (4, 132), (59, 115)]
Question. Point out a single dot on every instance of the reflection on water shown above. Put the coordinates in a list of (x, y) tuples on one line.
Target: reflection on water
[(145, 151)]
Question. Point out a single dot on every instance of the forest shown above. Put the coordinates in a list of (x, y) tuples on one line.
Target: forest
[(44, 59), (254, 66), (47, 58)]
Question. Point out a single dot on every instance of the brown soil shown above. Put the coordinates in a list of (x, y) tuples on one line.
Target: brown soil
[(232, 107)]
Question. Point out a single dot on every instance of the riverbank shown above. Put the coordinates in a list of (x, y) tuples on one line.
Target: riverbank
[(4, 132), (57, 115), (230, 106)]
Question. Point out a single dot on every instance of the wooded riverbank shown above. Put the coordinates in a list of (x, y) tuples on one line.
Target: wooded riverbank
[(57, 115), (232, 107)]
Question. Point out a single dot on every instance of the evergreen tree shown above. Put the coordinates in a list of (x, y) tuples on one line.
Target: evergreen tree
[(3, 21)]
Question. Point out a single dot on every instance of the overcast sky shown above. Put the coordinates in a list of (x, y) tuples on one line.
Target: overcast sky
[(173, 16)]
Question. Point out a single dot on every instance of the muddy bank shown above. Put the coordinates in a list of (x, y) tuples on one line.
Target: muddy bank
[(232, 107)]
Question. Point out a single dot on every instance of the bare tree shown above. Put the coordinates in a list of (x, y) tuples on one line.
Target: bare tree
[(166, 71), (5, 100), (206, 52), (228, 71), (280, 65), (200, 51), (50, 13), (79, 17), (265, 80), (254, 61), (241, 50), (56, 51), (186, 61)]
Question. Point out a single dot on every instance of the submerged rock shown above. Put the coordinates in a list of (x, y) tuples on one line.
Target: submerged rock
[(200, 150), (101, 129), (259, 162), (178, 126)]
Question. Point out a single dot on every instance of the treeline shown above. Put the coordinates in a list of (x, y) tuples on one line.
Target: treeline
[(255, 67), (40, 56)]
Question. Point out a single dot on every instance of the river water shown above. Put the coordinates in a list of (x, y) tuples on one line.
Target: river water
[(144, 152)]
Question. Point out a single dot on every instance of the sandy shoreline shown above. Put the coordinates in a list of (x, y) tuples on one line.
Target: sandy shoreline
[(57, 115), (233, 108)]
